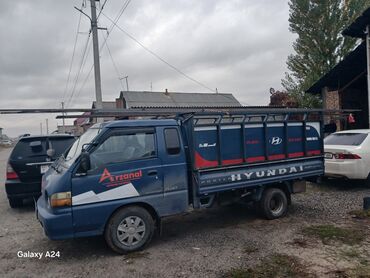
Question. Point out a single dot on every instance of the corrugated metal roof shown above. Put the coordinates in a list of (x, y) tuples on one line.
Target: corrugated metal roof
[(358, 28), (161, 99), (106, 104), (344, 72)]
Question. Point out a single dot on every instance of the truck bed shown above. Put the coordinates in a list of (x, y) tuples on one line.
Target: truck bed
[(238, 151)]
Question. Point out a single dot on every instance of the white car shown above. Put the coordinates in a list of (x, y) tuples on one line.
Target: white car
[(347, 154), (6, 143)]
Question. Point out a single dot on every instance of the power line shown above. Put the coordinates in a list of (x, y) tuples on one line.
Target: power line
[(110, 29), (82, 63), (114, 65), (73, 54), (156, 55), (101, 8)]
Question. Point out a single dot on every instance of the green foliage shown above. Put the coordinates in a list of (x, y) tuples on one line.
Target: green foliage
[(278, 265), (329, 233), (320, 44)]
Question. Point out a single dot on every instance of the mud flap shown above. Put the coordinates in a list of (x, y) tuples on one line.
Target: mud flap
[(299, 186)]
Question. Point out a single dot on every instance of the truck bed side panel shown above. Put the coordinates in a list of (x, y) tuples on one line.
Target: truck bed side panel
[(211, 181), (261, 143)]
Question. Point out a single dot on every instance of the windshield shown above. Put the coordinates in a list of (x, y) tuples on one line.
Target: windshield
[(346, 139), (76, 148)]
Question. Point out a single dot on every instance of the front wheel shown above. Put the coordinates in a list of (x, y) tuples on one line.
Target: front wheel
[(274, 203), (129, 229)]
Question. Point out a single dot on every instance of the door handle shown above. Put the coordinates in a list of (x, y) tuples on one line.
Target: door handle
[(152, 173)]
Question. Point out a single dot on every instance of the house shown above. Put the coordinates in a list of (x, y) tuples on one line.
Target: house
[(140, 99), (75, 130), (346, 86), (83, 123), (282, 99), (106, 105), (143, 99)]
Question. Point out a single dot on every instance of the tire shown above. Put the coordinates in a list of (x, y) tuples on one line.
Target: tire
[(129, 229), (15, 203), (367, 180), (273, 203)]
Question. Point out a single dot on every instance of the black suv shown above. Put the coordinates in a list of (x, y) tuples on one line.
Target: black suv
[(28, 161)]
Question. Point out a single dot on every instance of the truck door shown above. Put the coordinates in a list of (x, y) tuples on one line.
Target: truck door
[(175, 178), (124, 165)]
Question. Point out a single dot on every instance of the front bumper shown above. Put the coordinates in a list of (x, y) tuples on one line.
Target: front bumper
[(18, 189), (58, 224), (351, 169)]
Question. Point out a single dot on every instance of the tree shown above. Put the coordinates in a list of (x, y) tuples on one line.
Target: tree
[(320, 44)]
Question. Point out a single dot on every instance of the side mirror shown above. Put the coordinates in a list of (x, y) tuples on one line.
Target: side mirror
[(50, 152), (85, 162)]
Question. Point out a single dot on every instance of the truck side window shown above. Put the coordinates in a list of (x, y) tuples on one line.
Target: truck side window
[(123, 147), (172, 141)]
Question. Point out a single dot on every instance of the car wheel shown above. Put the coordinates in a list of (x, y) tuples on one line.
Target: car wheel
[(129, 229), (273, 203), (15, 203), (367, 181)]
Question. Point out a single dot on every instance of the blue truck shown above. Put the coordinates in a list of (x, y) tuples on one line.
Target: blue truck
[(120, 178)]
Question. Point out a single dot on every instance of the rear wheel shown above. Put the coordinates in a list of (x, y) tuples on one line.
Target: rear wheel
[(367, 180), (274, 203), (129, 229), (15, 202)]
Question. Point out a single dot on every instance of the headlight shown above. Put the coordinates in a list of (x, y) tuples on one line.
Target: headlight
[(61, 199)]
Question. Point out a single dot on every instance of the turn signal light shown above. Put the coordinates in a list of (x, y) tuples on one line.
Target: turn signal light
[(10, 173), (347, 156), (61, 199)]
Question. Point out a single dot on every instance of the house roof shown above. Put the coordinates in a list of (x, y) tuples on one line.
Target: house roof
[(106, 105), (352, 66), (82, 121), (163, 99), (358, 28)]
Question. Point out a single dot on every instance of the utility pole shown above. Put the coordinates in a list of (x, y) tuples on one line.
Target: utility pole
[(94, 29), (125, 77), (64, 126), (47, 126), (368, 67)]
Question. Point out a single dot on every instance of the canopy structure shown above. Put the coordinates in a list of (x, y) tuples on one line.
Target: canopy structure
[(358, 28), (344, 73)]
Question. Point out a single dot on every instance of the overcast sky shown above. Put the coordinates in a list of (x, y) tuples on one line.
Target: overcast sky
[(237, 46)]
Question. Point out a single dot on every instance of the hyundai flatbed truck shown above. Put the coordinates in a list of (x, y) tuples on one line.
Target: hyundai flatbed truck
[(122, 177)]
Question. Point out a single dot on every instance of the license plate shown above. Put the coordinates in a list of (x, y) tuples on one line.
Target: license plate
[(44, 168), (328, 155)]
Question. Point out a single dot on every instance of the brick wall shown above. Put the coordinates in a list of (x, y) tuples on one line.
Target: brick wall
[(333, 101)]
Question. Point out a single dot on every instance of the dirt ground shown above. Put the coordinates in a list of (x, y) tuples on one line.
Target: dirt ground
[(318, 238)]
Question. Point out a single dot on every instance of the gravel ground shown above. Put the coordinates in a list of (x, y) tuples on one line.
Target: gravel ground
[(206, 243)]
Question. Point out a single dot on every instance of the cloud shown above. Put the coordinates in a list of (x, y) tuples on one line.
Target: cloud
[(237, 46)]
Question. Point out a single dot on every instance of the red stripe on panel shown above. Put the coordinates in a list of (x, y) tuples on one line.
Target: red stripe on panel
[(298, 154), (276, 156), (255, 159), (232, 161), (314, 152), (200, 162)]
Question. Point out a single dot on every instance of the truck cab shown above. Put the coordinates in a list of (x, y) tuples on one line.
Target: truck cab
[(141, 163)]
